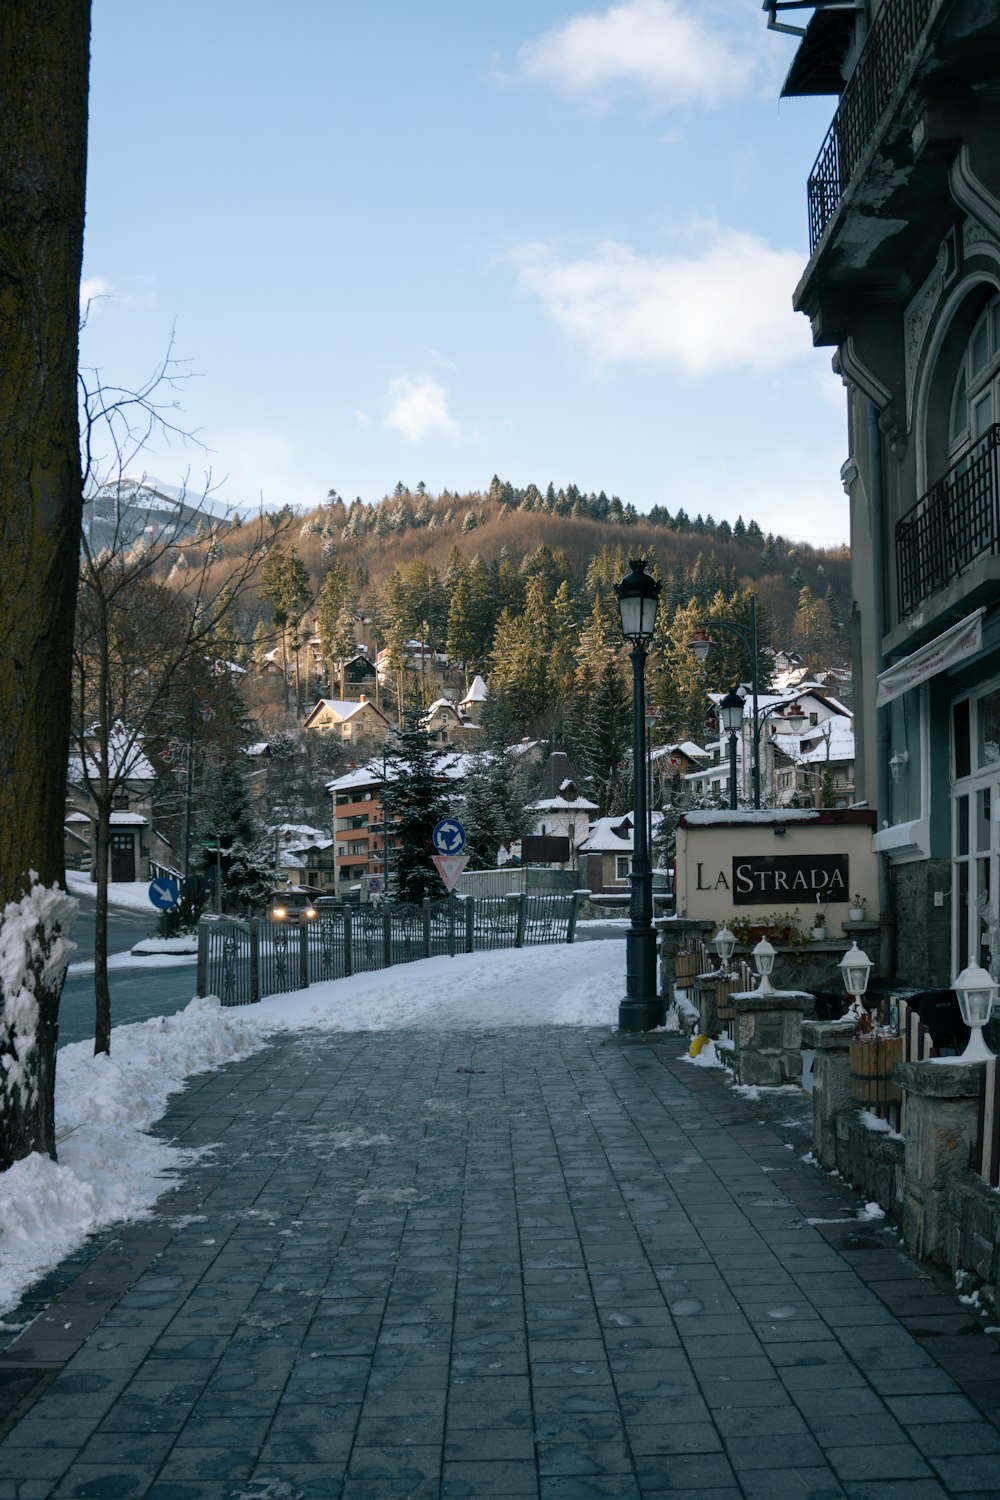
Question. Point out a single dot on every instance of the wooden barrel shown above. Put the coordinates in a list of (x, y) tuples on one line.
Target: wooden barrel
[(686, 966), (724, 991), (872, 1062)]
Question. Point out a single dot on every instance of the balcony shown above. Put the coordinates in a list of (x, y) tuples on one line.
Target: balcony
[(952, 526), (892, 38)]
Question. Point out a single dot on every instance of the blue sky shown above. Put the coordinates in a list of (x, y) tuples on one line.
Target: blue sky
[(437, 239)]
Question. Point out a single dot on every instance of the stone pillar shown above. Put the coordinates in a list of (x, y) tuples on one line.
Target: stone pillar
[(831, 1042), (674, 932), (705, 993), (769, 1037), (942, 1106)]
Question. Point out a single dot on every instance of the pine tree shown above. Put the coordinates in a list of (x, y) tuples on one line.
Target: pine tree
[(415, 797), (229, 824)]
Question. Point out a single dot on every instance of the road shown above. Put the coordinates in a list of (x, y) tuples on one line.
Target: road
[(137, 993)]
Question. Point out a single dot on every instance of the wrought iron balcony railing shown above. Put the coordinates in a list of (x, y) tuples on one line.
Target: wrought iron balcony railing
[(949, 528), (890, 41)]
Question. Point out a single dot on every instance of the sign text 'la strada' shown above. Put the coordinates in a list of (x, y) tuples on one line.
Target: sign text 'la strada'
[(764, 879)]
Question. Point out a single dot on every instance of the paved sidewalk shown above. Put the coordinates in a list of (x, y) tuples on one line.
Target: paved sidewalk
[(552, 1263)]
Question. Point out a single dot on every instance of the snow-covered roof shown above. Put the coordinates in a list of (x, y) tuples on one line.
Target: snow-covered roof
[(296, 833), (687, 748), (125, 819), (444, 703), (259, 747), (563, 804), (612, 835), (710, 817), (76, 817), (450, 767), (343, 708), (831, 740), (478, 691)]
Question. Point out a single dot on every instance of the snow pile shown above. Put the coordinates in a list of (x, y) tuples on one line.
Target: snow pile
[(33, 951), (109, 1168)]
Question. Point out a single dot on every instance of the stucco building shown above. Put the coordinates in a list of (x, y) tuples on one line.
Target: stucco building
[(903, 284)]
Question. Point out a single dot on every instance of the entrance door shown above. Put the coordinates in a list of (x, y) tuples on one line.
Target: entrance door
[(122, 854)]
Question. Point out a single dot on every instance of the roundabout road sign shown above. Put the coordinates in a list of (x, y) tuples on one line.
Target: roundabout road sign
[(448, 836)]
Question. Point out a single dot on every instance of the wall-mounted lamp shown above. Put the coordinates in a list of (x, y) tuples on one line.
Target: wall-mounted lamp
[(898, 761)]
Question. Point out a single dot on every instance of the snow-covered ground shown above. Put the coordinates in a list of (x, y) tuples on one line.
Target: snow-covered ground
[(132, 893), (111, 1169)]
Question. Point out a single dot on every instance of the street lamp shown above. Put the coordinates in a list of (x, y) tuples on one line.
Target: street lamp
[(976, 991), (701, 644), (638, 600), (731, 717)]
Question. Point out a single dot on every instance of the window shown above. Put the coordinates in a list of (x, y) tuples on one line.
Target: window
[(623, 866), (975, 398), (975, 831)]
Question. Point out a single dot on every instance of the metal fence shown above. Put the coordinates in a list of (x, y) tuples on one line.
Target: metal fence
[(888, 47), (240, 961)]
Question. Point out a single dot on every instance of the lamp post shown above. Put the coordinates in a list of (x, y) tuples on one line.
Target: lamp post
[(638, 600), (701, 644), (731, 717)]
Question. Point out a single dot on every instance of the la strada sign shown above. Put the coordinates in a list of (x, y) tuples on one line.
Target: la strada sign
[(763, 880)]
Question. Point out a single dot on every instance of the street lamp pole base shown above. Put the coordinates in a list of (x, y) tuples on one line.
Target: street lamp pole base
[(638, 1015), (642, 1008)]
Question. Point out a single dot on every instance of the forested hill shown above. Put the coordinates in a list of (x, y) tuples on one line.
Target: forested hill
[(695, 555), (519, 586)]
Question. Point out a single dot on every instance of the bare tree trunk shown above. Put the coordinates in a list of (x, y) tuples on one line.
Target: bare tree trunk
[(44, 60), (102, 990)]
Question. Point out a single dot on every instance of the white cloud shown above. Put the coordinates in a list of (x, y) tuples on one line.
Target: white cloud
[(726, 305), (419, 408), (676, 52), (95, 292), (93, 289)]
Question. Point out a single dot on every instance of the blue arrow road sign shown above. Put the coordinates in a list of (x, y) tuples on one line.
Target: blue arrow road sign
[(164, 893), (449, 836)]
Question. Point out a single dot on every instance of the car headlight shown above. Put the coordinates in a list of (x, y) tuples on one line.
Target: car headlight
[(309, 913), (279, 913)]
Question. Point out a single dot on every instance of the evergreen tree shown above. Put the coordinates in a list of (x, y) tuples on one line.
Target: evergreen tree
[(229, 825), (496, 792), (414, 798)]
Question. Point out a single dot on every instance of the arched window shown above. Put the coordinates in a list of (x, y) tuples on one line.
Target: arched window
[(975, 399)]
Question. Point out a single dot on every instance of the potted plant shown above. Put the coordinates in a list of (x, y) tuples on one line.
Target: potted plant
[(778, 927), (856, 909), (818, 931)]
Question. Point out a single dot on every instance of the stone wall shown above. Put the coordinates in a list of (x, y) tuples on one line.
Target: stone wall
[(949, 1215), (974, 1235), (923, 932)]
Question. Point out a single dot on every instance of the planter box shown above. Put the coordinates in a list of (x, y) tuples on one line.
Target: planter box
[(872, 1062)]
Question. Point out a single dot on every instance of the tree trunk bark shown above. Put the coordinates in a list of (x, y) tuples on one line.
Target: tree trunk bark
[(102, 990), (44, 59)]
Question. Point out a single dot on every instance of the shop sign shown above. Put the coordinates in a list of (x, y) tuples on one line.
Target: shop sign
[(764, 880)]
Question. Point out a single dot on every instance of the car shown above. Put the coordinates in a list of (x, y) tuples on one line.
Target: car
[(291, 906)]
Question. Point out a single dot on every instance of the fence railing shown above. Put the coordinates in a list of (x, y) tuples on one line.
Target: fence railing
[(240, 961), (956, 522), (893, 36)]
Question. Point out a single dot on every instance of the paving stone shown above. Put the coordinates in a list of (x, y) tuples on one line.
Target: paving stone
[(568, 1276)]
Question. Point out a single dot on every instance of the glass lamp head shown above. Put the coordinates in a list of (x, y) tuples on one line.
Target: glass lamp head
[(855, 966), (638, 601)]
